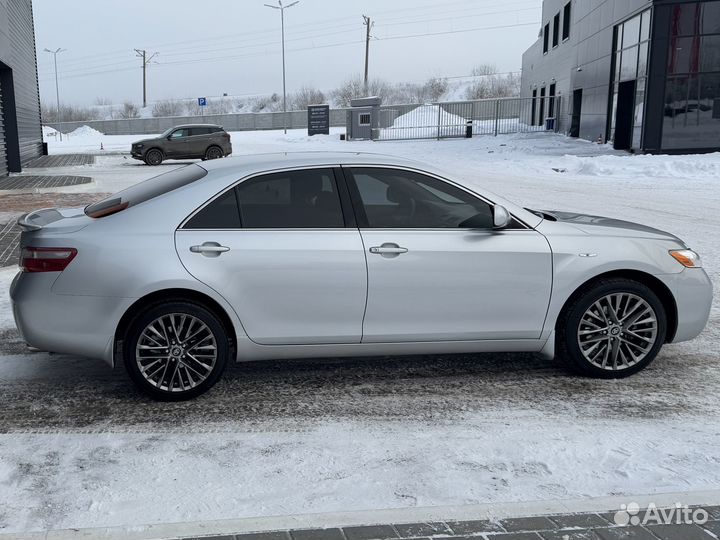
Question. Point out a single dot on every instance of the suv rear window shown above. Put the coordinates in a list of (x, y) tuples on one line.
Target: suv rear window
[(144, 191)]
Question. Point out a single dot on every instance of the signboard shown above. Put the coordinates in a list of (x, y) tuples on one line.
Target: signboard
[(318, 120), (202, 102)]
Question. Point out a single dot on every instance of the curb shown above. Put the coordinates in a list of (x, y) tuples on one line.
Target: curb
[(491, 511)]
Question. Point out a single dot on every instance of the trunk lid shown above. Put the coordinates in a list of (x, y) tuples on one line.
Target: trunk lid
[(55, 220)]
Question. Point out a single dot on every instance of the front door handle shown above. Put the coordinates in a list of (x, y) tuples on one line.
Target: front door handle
[(210, 249), (388, 250)]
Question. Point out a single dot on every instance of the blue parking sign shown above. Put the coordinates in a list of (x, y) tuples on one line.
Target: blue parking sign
[(202, 102)]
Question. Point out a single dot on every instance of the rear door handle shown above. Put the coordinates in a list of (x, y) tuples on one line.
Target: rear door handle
[(210, 249), (388, 249)]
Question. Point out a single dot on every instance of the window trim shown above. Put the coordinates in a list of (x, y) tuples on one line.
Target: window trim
[(362, 219), (567, 24), (340, 182)]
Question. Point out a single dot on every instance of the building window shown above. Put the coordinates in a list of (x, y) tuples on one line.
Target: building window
[(567, 13), (365, 119), (546, 38), (551, 102), (541, 119), (692, 90), (556, 30), (630, 60), (533, 120)]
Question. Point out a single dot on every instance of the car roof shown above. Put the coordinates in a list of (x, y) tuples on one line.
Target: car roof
[(197, 125), (259, 162)]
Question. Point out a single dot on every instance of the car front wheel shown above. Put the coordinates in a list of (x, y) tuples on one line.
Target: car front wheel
[(612, 329), (154, 157), (176, 351)]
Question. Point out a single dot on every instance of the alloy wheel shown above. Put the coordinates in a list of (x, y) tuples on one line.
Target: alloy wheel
[(176, 352), (618, 331), (214, 153)]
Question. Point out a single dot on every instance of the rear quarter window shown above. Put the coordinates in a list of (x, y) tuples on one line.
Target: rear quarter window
[(145, 191)]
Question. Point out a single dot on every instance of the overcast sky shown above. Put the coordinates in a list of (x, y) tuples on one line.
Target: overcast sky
[(211, 47)]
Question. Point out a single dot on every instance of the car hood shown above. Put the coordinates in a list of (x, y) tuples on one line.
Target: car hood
[(599, 225), (145, 141)]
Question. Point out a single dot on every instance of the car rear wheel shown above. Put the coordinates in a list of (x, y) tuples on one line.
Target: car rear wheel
[(154, 157), (176, 351), (214, 152), (612, 329)]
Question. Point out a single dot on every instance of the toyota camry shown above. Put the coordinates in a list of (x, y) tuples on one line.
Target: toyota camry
[(330, 255)]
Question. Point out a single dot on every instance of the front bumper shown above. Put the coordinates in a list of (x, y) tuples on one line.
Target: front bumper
[(693, 294), (67, 324)]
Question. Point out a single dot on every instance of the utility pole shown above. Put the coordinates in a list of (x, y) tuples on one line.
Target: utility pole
[(142, 53), (367, 22), (282, 25), (57, 86)]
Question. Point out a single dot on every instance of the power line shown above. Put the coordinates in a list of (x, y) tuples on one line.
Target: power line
[(314, 27), (300, 49)]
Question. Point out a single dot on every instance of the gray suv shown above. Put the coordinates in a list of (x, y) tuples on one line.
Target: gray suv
[(195, 141)]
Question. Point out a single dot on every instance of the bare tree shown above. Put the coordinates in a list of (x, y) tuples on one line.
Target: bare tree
[(128, 110), (68, 113), (103, 101), (167, 107), (354, 88), (435, 88), (485, 69), (307, 95)]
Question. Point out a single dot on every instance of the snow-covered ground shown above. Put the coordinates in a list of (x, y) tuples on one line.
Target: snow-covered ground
[(81, 448)]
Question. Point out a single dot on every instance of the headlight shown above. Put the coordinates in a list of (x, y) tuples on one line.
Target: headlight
[(138, 146), (687, 257)]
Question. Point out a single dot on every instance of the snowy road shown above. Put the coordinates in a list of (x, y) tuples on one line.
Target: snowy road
[(79, 447)]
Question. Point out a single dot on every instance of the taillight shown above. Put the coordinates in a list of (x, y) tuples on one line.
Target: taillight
[(46, 259)]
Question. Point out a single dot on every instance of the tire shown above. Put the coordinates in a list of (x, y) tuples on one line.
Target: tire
[(154, 157), (214, 152), (612, 329), (192, 328)]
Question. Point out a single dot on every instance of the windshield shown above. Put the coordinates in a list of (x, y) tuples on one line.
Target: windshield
[(144, 191)]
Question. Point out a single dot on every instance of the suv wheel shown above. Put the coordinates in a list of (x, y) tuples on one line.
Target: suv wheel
[(153, 157), (214, 152), (175, 351), (613, 329)]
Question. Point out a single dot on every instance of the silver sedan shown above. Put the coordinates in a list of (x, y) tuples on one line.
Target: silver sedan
[(327, 255)]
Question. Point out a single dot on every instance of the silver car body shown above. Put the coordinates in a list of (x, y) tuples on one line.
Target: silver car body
[(322, 293)]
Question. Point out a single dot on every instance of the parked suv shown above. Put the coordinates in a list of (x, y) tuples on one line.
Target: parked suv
[(195, 141)]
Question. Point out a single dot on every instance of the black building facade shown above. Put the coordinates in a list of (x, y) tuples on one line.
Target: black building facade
[(644, 74), (20, 124)]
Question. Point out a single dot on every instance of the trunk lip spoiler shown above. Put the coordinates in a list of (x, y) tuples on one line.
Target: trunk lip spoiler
[(25, 221)]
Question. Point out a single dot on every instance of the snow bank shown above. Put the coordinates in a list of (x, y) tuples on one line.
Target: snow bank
[(85, 132), (426, 121), (7, 321), (646, 166), (47, 131)]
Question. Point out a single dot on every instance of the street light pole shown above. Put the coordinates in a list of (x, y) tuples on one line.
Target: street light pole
[(282, 25), (57, 86)]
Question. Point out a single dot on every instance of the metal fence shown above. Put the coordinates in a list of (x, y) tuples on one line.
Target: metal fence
[(394, 122), (467, 118), (231, 122)]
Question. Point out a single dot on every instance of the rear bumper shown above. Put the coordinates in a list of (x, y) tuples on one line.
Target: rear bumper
[(68, 324), (693, 294)]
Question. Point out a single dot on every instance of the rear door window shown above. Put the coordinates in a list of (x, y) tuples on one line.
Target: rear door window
[(303, 199), (222, 213), (199, 131)]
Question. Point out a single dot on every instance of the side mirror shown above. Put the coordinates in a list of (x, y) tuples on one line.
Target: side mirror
[(501, 217)]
